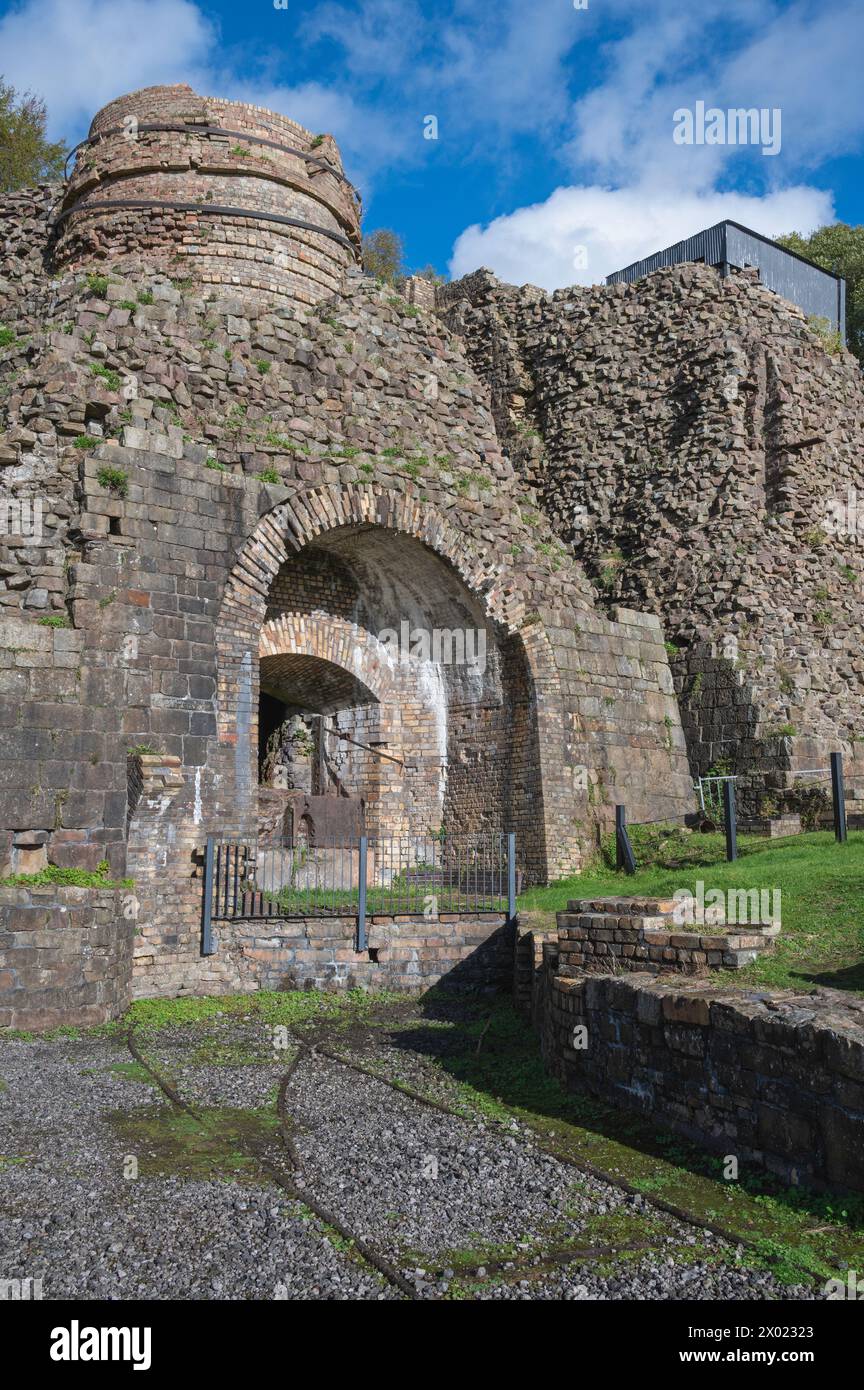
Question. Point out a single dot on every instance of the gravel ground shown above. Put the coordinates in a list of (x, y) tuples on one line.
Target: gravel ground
[(423, 1188)]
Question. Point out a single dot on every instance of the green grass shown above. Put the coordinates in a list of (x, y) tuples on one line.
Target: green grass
[(822, 886), (270, 1006), (114, 480)]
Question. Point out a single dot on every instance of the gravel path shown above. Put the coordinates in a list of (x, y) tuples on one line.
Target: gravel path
[(425, 1189)]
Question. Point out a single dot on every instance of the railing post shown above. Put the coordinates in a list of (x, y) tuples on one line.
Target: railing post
[(361, 905), (511, 876), (623, 849), (838, 794), (730, 820), (207, 947)]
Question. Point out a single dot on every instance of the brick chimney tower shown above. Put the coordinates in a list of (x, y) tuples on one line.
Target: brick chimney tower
[(224, 193)]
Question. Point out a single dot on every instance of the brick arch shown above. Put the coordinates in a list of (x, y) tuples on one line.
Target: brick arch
[(299, 521), (334, 640)]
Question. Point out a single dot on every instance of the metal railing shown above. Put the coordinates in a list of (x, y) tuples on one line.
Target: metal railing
[(724, 810), (710, 793), (389, 875)]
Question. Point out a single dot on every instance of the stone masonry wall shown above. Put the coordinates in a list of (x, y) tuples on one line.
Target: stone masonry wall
[(697, 443), (404, 954), (153, 415), (65, 955), (776, 1080), (216, 160)]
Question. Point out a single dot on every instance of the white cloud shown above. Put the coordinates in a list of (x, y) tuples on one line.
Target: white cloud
[(541, 244), (80, 55), (803, 59)]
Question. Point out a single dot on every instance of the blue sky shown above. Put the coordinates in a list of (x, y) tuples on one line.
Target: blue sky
[(554, 160)]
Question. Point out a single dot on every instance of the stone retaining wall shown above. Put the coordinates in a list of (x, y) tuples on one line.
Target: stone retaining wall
[(65, 955), (776, 1080), (642, 934)]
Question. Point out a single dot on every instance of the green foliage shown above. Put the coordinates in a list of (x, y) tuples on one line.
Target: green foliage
[(114, 480), (839, 248), (145, 297), (429, 272), (111, 378), (85, 441), (610, 564), (214, 463), (830, 336), (815, 537), (810, 800), (383, 255), (7, 337), (27, 156), (67, 878), (98, 285), (54, 620), (268, 475)]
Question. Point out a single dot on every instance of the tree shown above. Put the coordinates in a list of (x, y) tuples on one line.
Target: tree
[(27, 156), (840, 248), (383, 255)]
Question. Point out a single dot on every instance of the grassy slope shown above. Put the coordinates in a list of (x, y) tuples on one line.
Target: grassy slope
[(822, 885)]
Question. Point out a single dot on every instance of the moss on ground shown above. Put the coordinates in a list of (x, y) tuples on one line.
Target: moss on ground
[(218, 1142)]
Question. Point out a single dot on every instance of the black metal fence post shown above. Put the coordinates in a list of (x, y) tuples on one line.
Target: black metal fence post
[(838, 794), (730, 819), (623, 849), (361, 896), (207, 947), (511, 876)]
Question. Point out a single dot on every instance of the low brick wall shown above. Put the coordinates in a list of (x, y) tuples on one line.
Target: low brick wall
[(641, 934), (775, 1079), (65, 955), (404, 953)]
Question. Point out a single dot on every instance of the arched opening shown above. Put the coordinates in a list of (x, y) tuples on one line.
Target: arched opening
[(383, 681), (463, 728), (318, 728)]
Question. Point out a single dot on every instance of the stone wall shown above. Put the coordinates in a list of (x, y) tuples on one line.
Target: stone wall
[(696, 442), (776, 1080), (410, 953), (642, 934), (65, 955), (153, 416)]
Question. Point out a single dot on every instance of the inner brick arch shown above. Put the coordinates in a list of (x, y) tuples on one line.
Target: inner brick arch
[(331, 666), (542, 777)]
